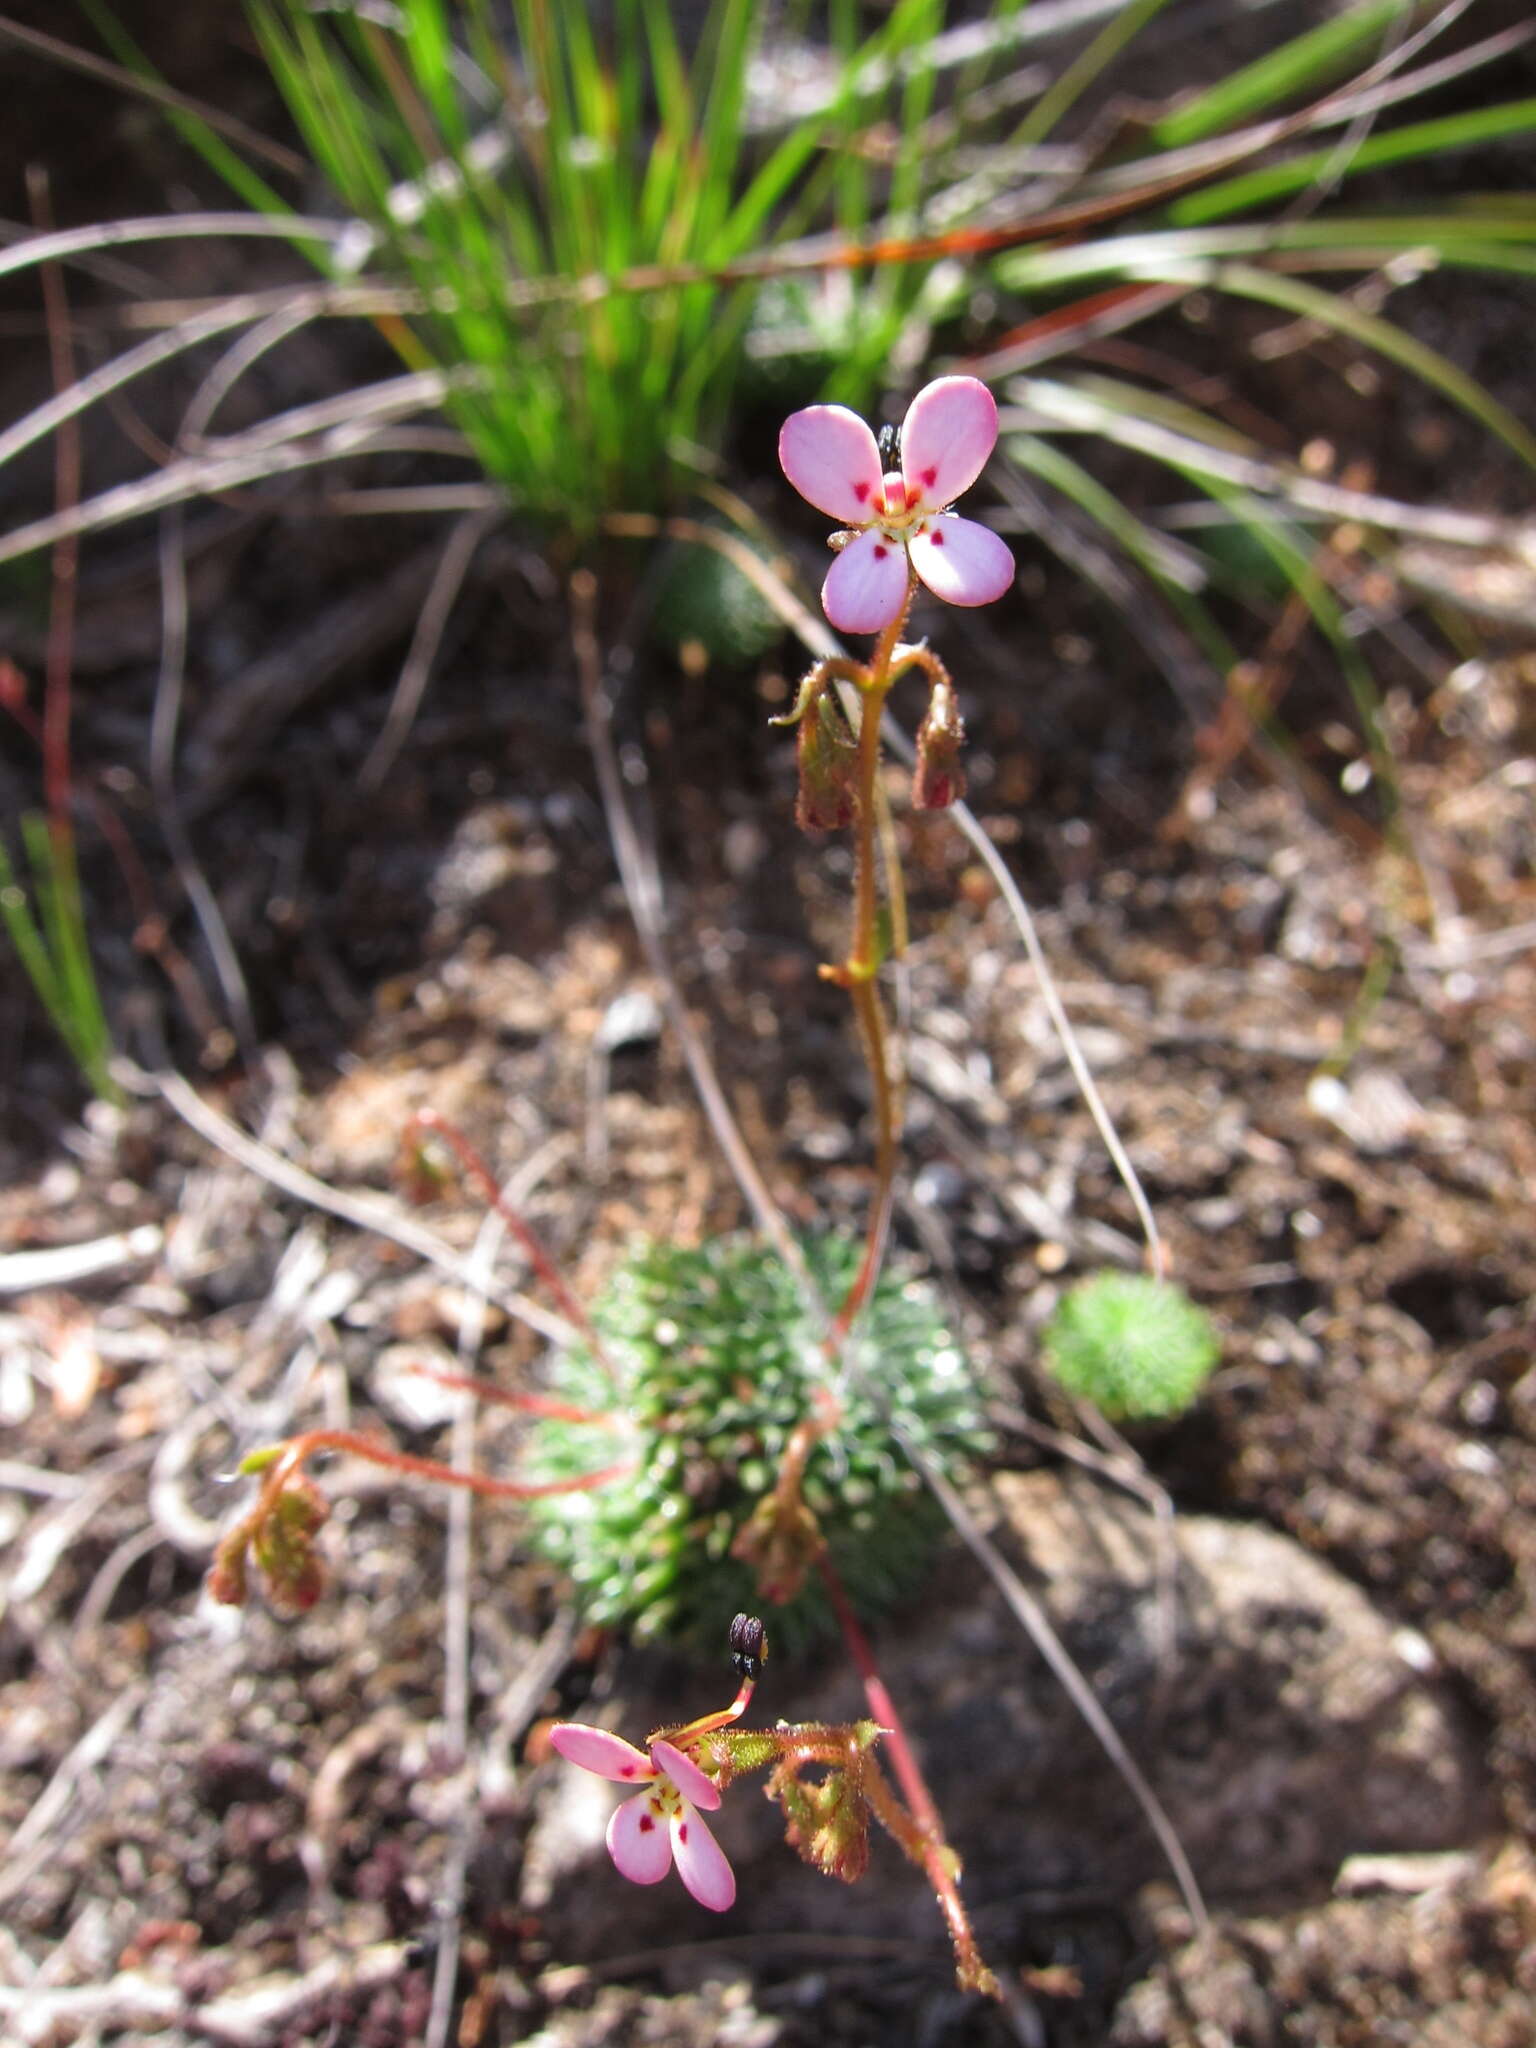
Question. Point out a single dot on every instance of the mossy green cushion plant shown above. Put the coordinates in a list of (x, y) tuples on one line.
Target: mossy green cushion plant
[(720, 1362), (1134, 1346), (705, 600)]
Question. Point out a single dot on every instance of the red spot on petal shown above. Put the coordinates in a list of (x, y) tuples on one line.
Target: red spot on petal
[(881, 553), (930, 478), (938, 540), (646, 1824), (682, 1832), (626, 1770), (861, 491)]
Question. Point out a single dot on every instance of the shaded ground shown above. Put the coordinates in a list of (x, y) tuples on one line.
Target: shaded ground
[(201, 1800)]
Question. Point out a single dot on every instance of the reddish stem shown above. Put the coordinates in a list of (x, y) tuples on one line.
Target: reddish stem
[(510, 1397), (938, 1858), (301, 1448), (475, 1166)]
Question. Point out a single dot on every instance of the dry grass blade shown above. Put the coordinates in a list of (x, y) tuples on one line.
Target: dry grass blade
[(164, 724), (73, 58), (448, 580), (66, 243), (364, 422), (642, 889), (365, 1212), (1034, 1620)]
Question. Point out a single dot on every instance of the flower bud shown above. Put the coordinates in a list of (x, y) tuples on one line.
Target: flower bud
[(284, 1546), (781, 1540), (228, 1580), (939, 779), (828, 1824), (828, 756)]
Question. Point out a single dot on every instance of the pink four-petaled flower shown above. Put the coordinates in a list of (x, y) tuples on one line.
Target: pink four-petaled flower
[(662, 1821), (831, 458)]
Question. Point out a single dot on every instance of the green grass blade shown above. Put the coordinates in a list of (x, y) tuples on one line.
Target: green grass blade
[(1343, 317), (247, 184), (1407, 144), (1145, 548), (1295, 68), (1059, 98), (429, 43), (57, 956), (31, 949)]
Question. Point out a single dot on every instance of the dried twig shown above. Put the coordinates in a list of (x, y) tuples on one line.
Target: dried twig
[(61, 1265)]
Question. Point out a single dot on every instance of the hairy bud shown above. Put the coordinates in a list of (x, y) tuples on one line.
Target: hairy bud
[(228, 1578), (828, 1823), (939, 779), (781, 1540), (828, 756), (284, 1548)]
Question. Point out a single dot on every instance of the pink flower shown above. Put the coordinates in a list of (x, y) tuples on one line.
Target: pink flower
[(831, 458), (662, 1821)]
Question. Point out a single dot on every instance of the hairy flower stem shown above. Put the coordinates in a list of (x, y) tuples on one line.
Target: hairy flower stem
[(918, 1827), (857, 973), (293, 1455)]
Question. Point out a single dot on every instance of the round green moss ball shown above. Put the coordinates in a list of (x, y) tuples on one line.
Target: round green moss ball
[(1133, 1346), (719, 1363)]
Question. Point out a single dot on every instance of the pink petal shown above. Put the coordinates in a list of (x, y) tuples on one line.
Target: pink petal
[(962, 562), (610, 1756), (867, 584), (830, 457), (639, 1841), (685, 1775), (701, 1862), (949, 431)]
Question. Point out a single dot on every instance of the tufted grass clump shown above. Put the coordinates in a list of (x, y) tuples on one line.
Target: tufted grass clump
[(720, 1362), (1136, 1347)]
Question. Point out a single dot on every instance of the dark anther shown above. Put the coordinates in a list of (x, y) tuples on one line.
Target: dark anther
[(749, 1646), (888, 441)]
